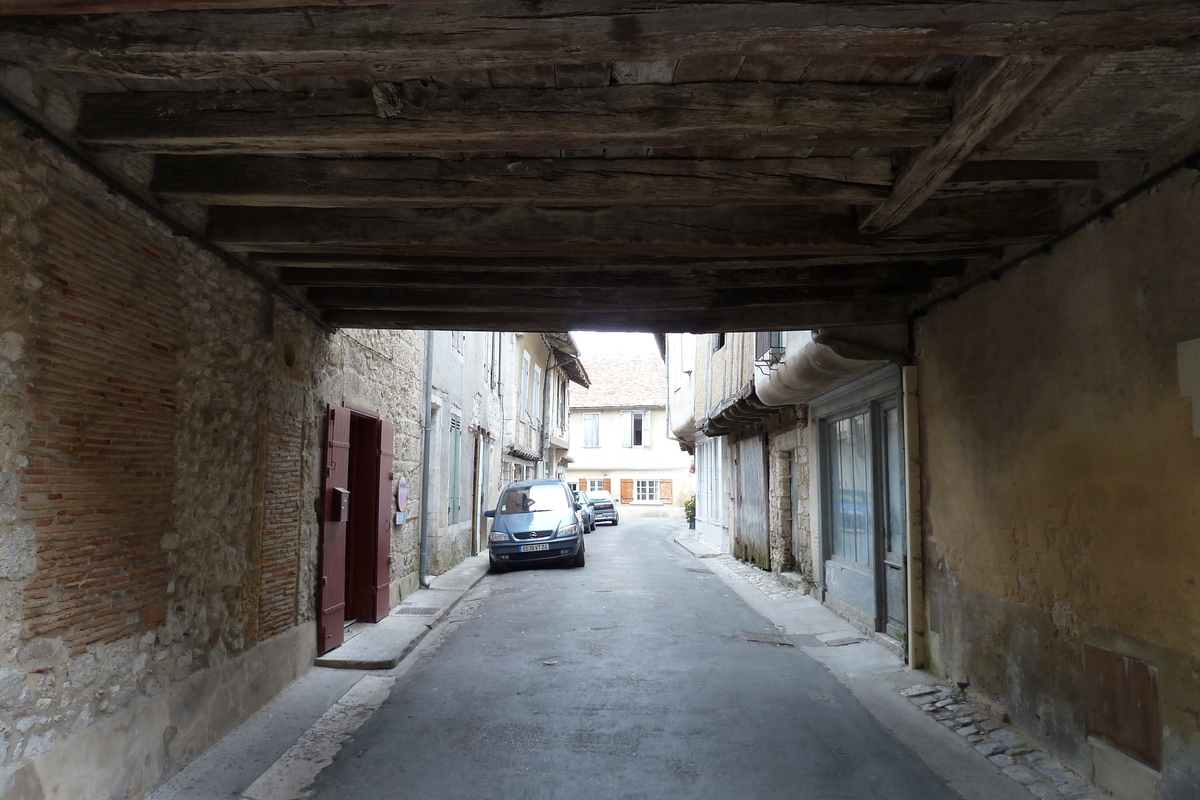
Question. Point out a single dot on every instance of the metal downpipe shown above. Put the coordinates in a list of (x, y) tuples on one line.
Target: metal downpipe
[(426, 467)]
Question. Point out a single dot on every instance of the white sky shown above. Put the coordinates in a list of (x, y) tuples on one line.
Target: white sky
[(604, 343)]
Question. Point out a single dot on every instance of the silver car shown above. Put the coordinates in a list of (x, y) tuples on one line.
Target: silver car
[(536, 522)]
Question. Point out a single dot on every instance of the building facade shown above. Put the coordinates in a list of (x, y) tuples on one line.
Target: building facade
[(537, 433), (622, 444), (1003, 492)]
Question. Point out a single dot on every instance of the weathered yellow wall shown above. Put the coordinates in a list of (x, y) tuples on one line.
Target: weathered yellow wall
[(1062, 476)]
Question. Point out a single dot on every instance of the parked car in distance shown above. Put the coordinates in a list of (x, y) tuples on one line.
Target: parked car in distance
[(588, 511), (604, 507), (535, 522)]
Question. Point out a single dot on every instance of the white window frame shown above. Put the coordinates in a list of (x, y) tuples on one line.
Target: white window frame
[(645, 491), (595, 484), (627, 424)]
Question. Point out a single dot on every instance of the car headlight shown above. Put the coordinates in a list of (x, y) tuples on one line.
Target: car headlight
[(497, 536), (568, 530)]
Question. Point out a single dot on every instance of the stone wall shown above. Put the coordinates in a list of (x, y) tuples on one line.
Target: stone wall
[(789, 518), (1062, 482), (163, 427)]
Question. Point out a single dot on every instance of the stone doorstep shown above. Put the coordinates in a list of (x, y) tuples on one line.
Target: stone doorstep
[(384, 644), (689, 541)]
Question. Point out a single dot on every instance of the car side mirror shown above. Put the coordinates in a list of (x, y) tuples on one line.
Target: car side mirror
[(490, 514), (578, 507)]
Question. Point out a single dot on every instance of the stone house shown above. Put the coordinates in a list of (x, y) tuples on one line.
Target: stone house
[(537, 435), (199, 485), (964, 492), (467, 412), (622, 444), (989, 209)]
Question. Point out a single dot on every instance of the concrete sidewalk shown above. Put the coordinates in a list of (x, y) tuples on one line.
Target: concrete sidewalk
[(383, 644), (275, 754), (957, 737)]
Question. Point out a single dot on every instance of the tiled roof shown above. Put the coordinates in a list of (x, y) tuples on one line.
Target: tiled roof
[(634, 381)]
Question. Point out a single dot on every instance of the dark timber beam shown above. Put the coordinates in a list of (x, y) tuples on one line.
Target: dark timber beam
[(981, 221), (411, 40), (794, 316), (940, 262), (420, 118), (432, 182), (985, 93), (577, 300), (905, 275)]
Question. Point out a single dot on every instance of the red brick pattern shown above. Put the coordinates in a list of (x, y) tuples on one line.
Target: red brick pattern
[(281, 527), (98, 485)]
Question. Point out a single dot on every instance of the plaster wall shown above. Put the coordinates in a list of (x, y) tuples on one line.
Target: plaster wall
[(464, 387), (163, 428), (1062, 478)]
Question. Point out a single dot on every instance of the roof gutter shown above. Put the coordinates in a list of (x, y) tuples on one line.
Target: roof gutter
[(817, 365)]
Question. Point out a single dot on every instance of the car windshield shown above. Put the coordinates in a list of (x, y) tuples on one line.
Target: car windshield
[(601, 495), (527, 499)]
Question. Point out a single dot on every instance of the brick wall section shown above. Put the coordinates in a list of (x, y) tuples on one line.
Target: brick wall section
[(281, 527), (98, 485)]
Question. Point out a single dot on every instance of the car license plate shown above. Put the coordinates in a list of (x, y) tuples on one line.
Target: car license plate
[(533, 548)]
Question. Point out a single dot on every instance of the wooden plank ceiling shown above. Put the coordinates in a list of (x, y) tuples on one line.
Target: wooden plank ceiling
[(557, 165)]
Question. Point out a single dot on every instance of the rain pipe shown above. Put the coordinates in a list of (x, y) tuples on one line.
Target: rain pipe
[(426, 467)]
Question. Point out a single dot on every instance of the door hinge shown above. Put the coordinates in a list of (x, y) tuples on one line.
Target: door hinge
[(324, 580)]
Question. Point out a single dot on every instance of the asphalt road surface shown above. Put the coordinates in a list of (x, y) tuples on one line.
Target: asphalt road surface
[(628, 678)]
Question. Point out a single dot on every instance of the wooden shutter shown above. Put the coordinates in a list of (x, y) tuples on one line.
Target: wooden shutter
[(608, 485), (664, 491), (332, 588), (383, 528), (626, 490)]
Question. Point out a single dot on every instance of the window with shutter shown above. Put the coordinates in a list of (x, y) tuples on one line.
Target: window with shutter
[(626, 490), (591, 430), (664, 491), (536, 400), (525, 386)]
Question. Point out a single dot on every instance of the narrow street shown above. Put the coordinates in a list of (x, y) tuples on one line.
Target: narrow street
[(629, 678)]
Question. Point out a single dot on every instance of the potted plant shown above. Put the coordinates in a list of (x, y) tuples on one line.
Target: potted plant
[(689, 511)]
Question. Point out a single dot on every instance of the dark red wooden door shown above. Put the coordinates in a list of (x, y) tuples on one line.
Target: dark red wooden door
[(383, 521), (332, 588)]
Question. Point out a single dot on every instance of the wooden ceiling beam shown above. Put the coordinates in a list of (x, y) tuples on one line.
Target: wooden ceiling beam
[(986, 92), (909, 274), (571, 299), (983, 220), (421, 118), (940, 263), (431, 182), (1022, 174), (410, 39), (796, 316)]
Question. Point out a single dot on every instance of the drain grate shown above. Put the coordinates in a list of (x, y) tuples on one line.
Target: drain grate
[(700, 570), (843, 641), (506, 590), (419, 611), (767, 638)]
